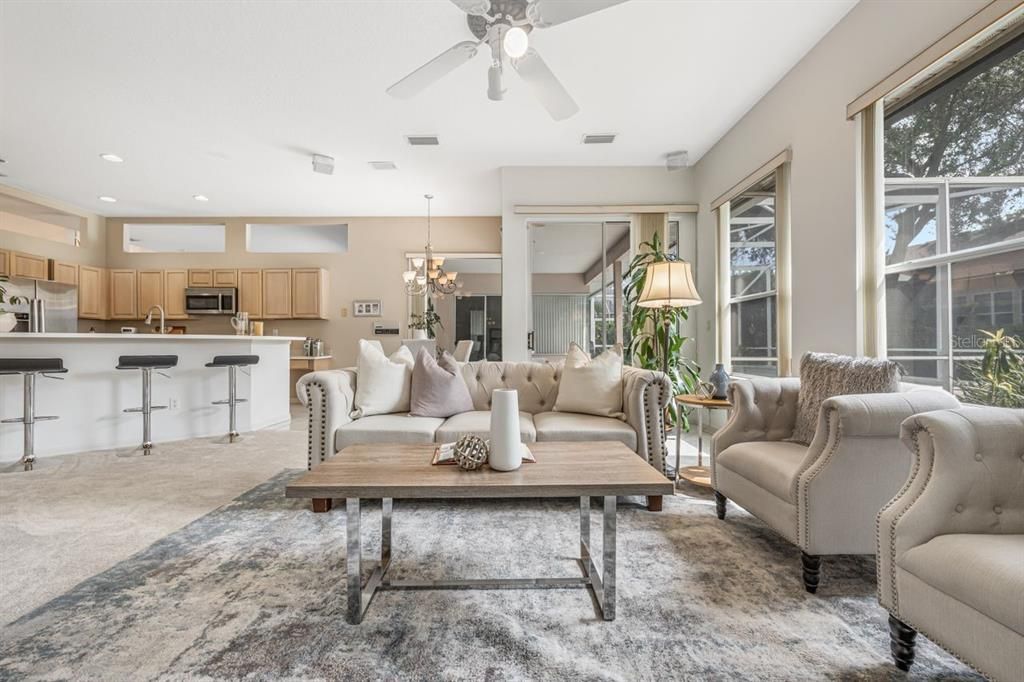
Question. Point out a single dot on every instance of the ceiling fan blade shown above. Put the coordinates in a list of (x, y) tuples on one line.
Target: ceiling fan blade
[(480, 8), (434, 70), (544, 13), (555, 98)]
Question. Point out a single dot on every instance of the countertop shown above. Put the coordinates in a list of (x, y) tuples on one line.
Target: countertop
[(90, 336), (312, 357)]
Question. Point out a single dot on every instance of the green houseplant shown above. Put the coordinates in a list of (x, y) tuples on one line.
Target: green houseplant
[(649, 332), (998, 377), (427, 321), (7, 319)]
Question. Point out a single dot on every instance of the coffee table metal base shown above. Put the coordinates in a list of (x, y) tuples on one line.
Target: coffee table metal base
[(600, 580)]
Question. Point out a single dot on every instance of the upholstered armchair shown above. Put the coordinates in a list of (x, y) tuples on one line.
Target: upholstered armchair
[(951, 543), (822, 497)]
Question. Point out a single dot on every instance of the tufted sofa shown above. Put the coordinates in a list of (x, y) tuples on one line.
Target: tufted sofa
[(951, 543), (823, 497), (329, 395)]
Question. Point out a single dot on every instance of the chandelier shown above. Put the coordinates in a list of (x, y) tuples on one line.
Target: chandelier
[(428, 275)]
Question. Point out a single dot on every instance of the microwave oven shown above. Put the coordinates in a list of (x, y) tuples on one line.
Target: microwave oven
[(211, 301)]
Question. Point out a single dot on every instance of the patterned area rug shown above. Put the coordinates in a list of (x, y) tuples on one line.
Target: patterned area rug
[(255, 590)]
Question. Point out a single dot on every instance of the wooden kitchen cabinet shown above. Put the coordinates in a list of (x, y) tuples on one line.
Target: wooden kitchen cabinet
[(225, 278), (250, 293), (151, 290), (123, 296), (64, 272), (28, 265), (200, 278), (309, 293), (277, 294), (5, 262), (93, 293), (175, 283)]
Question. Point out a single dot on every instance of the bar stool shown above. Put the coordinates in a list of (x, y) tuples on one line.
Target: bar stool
[(29, 368), (147, 363), (232, 362)]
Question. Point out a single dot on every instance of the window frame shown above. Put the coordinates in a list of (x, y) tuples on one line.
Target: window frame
[(722, 208)]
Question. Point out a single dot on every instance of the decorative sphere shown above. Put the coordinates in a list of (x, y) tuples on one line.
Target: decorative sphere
[(470, 452)]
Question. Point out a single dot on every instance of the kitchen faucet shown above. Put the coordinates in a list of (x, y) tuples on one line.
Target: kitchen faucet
[(149, 317)]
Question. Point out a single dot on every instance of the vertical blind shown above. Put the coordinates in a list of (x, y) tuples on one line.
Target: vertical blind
[(559, 319)]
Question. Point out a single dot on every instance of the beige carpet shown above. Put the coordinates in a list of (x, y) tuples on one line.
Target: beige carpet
[(77, 515)]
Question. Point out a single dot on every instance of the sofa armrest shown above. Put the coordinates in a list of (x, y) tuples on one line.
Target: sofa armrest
[(645, 395), (328, 396), (762, 409), (854, 465), (965, 478)]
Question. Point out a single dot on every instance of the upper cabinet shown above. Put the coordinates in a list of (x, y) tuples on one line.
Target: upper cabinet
[(250, 293), (65, 273), (175, 282), (200, 278), (5, 262), (28, 265), (309, 293), (93, 293), (225, 278), (123, 297), (151, 290), (277, 294)]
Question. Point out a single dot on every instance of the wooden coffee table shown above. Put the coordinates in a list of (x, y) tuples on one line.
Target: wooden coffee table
[(403, 471)]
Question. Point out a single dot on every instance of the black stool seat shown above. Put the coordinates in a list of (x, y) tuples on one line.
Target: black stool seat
[(233, 360), (147, 361), (25, 365)]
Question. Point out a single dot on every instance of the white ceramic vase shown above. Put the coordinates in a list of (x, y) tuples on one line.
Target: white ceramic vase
[(506, 449), (419, 334), (7, 322)]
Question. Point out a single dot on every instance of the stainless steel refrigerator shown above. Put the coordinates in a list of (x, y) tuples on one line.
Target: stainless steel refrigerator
[(60, 302)]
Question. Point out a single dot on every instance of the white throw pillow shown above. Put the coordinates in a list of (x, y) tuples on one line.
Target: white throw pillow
[(382, 383), (591, 386)]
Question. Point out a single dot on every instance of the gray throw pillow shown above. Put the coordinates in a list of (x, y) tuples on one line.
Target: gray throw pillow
[(438, 389), (823, 375)]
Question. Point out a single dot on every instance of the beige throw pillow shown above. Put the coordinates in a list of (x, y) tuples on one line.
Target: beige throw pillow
[(382, 383), (591, 386)]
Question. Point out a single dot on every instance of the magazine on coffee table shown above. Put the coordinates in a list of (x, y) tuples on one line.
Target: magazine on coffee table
[(445, 453)]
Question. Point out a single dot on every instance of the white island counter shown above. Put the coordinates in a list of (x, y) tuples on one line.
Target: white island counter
[(91, 399)]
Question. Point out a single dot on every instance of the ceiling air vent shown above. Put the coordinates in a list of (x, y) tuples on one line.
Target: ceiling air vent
[(423, 140), (603, 138), (383, 165)]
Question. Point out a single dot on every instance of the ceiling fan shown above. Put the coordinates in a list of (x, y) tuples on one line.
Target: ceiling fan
[(505, 26)]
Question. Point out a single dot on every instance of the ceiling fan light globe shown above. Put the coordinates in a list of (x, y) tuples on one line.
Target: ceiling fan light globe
[(516, 42)]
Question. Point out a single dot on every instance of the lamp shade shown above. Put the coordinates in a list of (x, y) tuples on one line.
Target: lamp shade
[(669, 284)]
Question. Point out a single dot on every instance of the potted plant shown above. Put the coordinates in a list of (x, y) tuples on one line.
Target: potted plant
[(7, 319), (423, 324)]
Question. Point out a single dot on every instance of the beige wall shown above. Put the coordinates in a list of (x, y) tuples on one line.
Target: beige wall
[(806, 111), (93, 249), (371, 269)]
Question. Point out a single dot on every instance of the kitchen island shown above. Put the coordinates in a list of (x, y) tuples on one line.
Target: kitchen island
[(91, 399)]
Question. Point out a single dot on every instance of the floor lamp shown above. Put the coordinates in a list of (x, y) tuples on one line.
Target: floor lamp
[(668, 284)]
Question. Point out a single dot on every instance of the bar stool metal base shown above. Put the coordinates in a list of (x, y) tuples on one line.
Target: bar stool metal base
[(29, 419), (232, 399), (147, 364)]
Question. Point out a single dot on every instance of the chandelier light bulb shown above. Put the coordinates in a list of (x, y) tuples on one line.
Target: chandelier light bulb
[(409, 276), (516, 42)]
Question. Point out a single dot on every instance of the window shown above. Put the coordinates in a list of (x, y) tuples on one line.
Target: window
[(954, 220), (281, 238), (41, 222), (752, 262), (166, 238)]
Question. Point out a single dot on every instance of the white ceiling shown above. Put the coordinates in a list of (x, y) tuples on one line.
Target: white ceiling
[(228, 99)]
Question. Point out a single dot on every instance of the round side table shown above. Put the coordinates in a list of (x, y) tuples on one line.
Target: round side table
[(700, 474)]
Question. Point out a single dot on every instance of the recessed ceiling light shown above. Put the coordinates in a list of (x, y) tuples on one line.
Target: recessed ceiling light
[(200, 197), (112, 158), (109, 200), (383, 165), (600, 138)]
